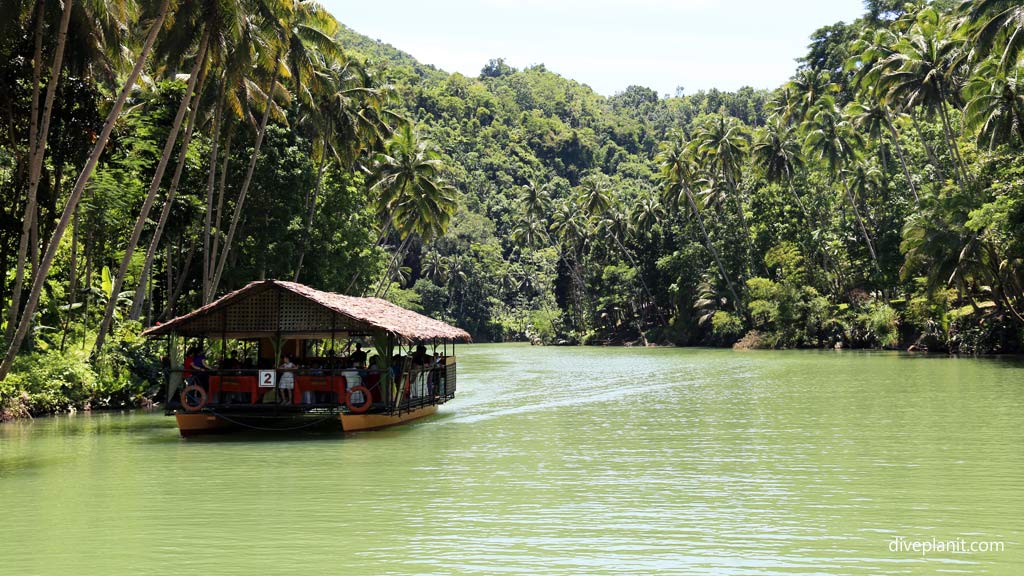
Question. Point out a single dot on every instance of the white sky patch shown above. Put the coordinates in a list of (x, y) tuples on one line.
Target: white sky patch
[(607, 44)]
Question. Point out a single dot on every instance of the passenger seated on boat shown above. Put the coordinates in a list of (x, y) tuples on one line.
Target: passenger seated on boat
[(287, 381), (231, 362), (195, 366)]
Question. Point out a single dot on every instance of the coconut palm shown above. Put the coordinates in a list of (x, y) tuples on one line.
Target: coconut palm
[(350, 119), (536, 197), (675, 172), (832, 141), (154, 188), (722, 143), (413, 197), (921, 73), (156, 20), (530, 232), (39, 129), (873, 119), (302, 30), (996, 27), (594, 195), (995, 105)]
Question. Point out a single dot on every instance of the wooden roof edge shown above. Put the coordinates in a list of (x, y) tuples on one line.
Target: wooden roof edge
[(429, 327)]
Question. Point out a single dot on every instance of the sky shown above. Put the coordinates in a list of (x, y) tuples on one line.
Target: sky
[(607, 44)]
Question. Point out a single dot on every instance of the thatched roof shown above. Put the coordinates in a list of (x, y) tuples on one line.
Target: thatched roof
[(271, 307)]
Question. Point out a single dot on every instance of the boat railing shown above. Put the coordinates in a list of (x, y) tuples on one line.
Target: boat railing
[(318, 388)]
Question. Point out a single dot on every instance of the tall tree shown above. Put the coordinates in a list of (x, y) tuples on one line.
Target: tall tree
[(39, 276)]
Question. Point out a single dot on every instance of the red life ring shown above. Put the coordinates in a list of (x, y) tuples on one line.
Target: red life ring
[(185, 398), (360, 408)]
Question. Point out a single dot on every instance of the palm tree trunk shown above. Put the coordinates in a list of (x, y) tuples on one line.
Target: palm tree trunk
[(903, 159), (147, 205), (711, 248), (147, 265), (210, 185), (650, 297), (245, 183), (73, 280), (39, 277), (860, 224), (215, 241), (385, 281), (309, 216), (37, 151), (928, 149), (172, 297), (954, 151)]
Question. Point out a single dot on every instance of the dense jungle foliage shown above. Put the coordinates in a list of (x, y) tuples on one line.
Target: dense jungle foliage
[(159, 153)]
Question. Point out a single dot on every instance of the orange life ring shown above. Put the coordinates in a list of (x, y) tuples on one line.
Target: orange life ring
[(367, 400), (185, 398)]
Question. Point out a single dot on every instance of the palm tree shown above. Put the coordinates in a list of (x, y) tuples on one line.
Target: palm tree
[(721, 143), (37, 149), (413, 197), (833, 141), (530, 232), (777, 150), (806, 88), (996, 26), (147, 204), (39, 276), (921, 73), (536, 197), (301, 31), (995, 105), (594, 195), (676, 174), (349, 120), (647, 212), (873, 119)]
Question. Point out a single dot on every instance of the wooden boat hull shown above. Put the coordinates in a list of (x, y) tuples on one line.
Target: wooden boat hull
[(192, 424), (358, 422)]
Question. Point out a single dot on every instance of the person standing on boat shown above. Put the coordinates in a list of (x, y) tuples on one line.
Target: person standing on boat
[(287, 381), (420, 357), (359, 357)]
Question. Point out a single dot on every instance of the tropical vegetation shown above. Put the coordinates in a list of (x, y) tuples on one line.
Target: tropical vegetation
[(158, 153)]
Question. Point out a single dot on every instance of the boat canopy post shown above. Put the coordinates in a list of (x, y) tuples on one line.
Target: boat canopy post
[(176, 376)]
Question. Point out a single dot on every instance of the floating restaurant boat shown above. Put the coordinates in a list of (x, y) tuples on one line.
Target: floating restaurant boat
[(409, 370)]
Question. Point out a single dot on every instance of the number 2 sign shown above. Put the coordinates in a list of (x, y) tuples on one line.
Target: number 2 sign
[(268, 378)]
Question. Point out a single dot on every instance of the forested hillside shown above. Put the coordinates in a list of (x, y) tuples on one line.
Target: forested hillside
[(157, 154)]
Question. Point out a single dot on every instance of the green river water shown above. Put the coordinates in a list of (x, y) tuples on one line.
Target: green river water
[(556, 461)]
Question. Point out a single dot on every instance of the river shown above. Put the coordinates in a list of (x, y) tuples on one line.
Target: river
[(557, 461)]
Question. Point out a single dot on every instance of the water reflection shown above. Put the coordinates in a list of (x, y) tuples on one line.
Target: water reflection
[(555, 461)]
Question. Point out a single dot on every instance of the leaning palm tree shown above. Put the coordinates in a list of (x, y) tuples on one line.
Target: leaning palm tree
[(676, 172), (721, 144), (996, 27), (154, 187), (301, 30), (832, 141), (39, 129), (156, 20), (347, 122), (995, 105), (873, 119), (413, 196), (921, 73)]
